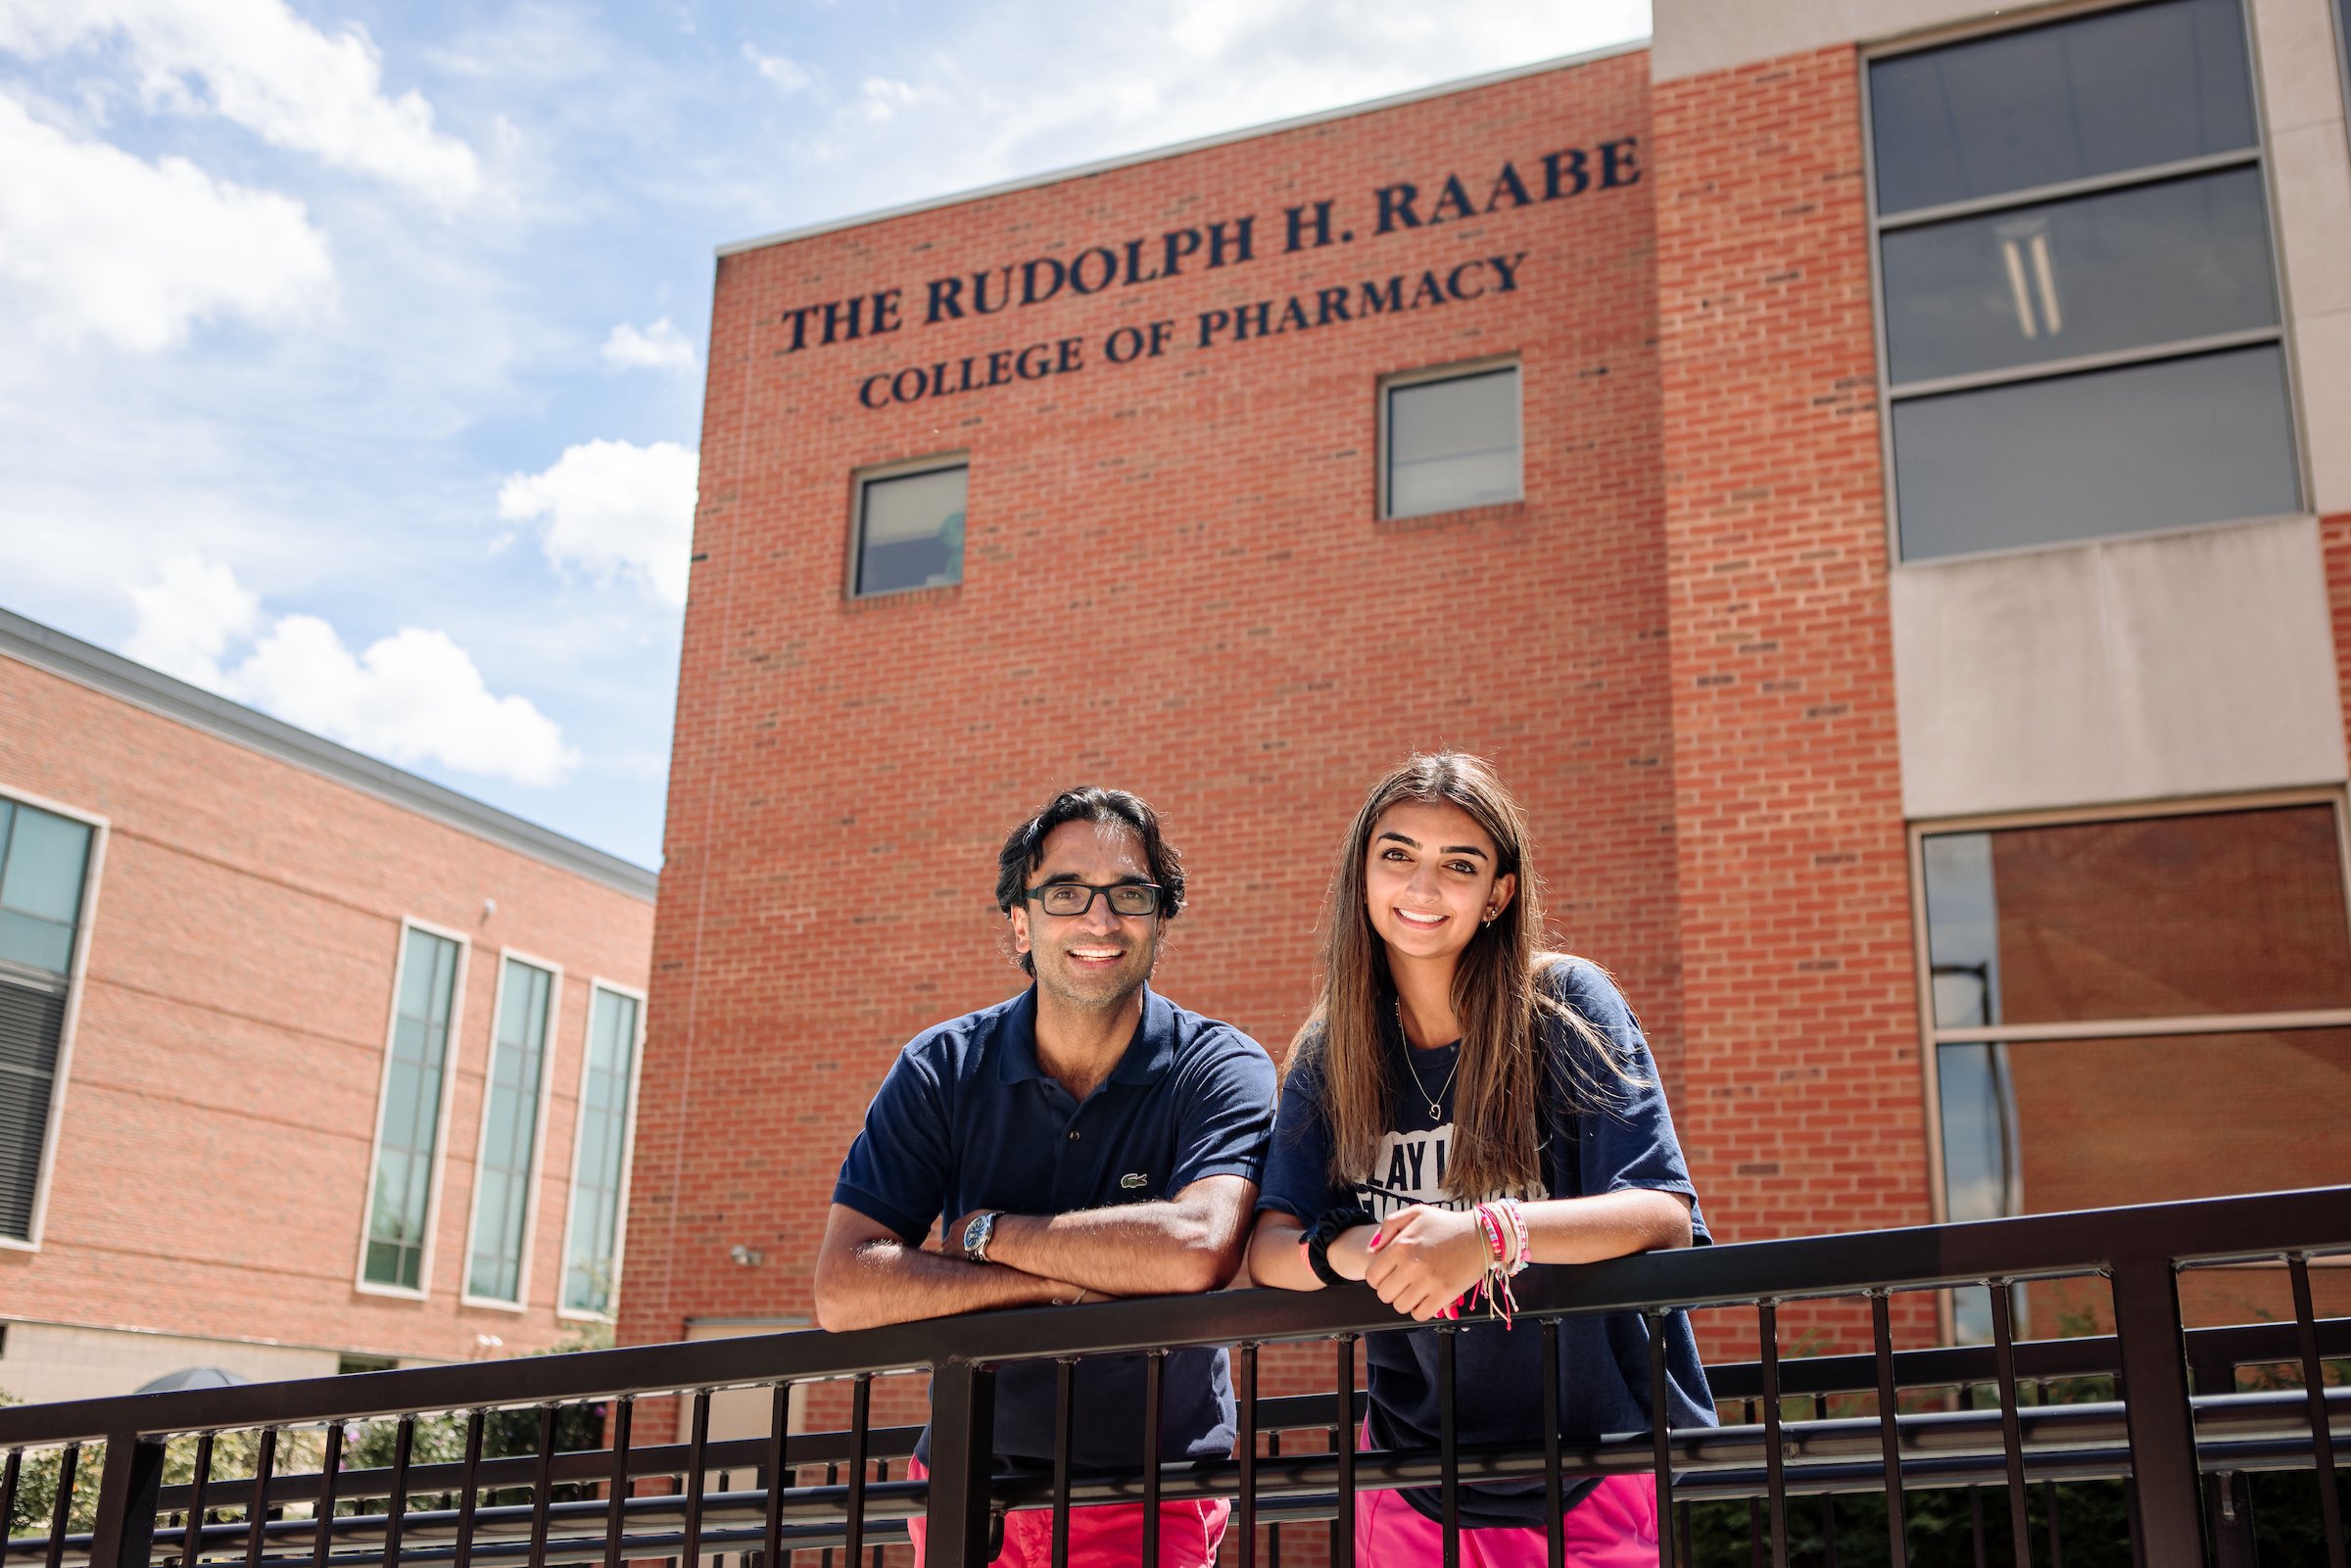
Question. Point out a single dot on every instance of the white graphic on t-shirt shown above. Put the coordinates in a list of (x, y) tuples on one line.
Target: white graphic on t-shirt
[(1408, 1168)]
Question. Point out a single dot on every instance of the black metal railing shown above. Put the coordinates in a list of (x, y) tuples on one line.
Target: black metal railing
[(488, 1464)]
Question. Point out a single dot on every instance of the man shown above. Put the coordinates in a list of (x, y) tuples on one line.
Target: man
[(1086, 1139)]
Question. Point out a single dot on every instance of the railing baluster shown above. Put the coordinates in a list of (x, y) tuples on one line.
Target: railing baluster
[(616, 1523), (1975, 1527), (62, 1515), (395, 1505), (2169, 1520), (542, 1483), (963, 1423), (1555, 1491), (1775, 1473), (330, 1471), (1065, 1392), (1342, 1447), (256, 1514), (130, 1492), (191, 1544), (1449, 1454), (1890, 1432), (1273, 1531), (697, 1446), (2314, 1383), (861, 1398), (1246, 1447), (10, 1468), (2012, 1432), (1660, 1434), (2056, 1536), (1155, 1369), (468, 1498), (1689, 1537)]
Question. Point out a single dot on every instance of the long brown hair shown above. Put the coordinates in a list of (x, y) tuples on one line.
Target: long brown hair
[(1496, 995)]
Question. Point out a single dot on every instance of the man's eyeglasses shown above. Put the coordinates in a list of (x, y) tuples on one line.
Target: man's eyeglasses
[(1132, 899)]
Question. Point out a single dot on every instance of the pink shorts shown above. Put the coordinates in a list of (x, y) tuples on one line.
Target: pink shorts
[(1615, 1527), (1106, 1537)]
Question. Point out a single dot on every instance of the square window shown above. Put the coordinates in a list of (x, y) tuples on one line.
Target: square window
[(909, 527), (1449, 440)]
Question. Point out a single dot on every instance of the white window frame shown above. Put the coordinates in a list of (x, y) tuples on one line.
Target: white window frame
[(383, 1087), (481, 1142), (628, 1150), (42, 1181), (2260, 158), (1457, 370), (903, 468)]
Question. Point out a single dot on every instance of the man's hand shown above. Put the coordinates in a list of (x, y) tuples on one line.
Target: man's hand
[(1424, 1259), (1181, 1246)]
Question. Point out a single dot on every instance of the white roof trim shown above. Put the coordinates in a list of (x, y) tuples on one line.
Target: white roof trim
[(86, 664)]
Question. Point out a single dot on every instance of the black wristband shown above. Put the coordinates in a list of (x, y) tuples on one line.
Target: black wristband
[(1328, 1227)]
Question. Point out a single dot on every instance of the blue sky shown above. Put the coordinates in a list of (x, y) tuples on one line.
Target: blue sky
[(351, 353)]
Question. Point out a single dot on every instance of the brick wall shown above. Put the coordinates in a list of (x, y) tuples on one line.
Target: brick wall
[(211, 1175), (1804, 1111)]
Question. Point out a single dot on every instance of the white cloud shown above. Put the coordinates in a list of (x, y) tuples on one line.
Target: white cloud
[(413, 696), (262, 67), (187, 621), (881, 99), (106, 244), (613, 509), (659, 346), (785, 75)]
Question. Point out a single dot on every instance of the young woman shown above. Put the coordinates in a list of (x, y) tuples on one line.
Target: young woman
[(1463, 1105)]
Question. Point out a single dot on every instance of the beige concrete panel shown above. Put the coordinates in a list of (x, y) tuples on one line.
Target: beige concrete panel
[(48, 1362), (2300, 84), (744, 1412), (1690, 37), (2323, 346), (2132, 669), (2311, 168)]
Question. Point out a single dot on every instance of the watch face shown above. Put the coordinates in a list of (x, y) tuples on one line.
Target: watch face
[(976, 1234)]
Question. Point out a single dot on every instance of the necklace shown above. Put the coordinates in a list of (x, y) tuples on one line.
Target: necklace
[(1436, 1104)]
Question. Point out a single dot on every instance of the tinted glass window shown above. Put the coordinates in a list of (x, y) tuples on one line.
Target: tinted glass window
[(911, 531), (594, 1228), (43, 857), (2161, 445), (2094, 95), (1453, 443), (509, 1133), (2066, 1124), (399, 1210), (2158, 917), (2122, 269)]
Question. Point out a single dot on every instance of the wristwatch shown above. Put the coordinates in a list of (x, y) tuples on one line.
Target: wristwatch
[(976, 1233)]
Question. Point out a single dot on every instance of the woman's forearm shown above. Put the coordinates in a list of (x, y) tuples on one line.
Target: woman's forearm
[(1614, 1224)]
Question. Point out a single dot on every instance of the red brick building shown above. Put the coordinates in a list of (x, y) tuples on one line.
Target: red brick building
[(1876, 478), (306, 1062)]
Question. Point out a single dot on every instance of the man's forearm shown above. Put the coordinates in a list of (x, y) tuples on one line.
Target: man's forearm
[(1154, 1248), (886, 1281)]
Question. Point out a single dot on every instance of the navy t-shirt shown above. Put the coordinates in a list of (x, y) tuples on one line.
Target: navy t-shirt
[(1585, 1150), (967, 1119)]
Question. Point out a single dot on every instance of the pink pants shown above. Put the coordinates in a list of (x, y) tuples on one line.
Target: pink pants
[(1615, 1527), (1106, 1537)]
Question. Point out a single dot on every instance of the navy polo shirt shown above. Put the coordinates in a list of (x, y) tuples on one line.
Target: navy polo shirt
[(967, 1119)]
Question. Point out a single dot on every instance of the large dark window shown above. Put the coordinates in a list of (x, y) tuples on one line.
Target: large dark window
[(2081, 320), (44, 865), (2135, 1009)]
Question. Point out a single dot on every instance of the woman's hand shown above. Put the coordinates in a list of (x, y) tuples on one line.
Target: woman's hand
[(1423, 1259)]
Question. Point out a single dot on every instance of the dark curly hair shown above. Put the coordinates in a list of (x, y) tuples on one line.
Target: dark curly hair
[(1024, 846)]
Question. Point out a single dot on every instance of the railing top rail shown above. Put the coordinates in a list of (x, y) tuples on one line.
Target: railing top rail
[(2203, 1230)]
